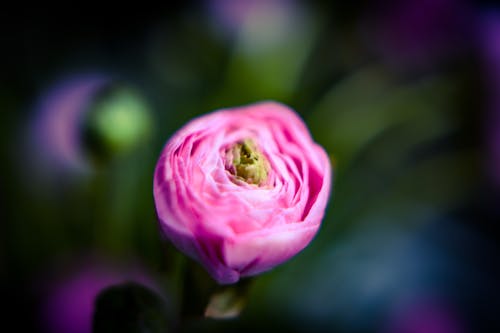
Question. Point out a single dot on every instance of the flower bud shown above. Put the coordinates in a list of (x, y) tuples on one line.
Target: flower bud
[(117, 120)]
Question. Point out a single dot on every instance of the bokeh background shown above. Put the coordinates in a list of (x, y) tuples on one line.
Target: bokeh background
[(403, 94)]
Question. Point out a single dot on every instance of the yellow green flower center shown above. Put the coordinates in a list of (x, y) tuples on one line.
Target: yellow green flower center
[(248, 163)]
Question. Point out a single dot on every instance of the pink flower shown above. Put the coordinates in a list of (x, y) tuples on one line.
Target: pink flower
[(242, 190), (69, 302), (56, 134)]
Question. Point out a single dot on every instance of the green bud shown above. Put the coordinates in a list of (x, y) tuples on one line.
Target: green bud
[(117, 121)]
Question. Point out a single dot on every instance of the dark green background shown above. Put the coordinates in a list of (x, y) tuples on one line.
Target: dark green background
[(413, 211)]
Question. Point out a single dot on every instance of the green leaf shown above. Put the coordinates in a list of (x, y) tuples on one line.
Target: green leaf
[(370, 102)]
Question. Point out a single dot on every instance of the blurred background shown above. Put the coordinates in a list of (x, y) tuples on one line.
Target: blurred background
[(403, 94)]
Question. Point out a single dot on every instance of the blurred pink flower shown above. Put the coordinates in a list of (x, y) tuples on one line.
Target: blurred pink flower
[(242, 190), (425, 316), (418, 34), (56, 136), (68, 306), (80, 122), (232, 15), (489, 32)]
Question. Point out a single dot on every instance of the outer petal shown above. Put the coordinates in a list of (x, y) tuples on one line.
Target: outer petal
[(258, 252)]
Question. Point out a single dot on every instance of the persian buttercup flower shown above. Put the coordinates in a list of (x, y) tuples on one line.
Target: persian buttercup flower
[(242, 190)]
